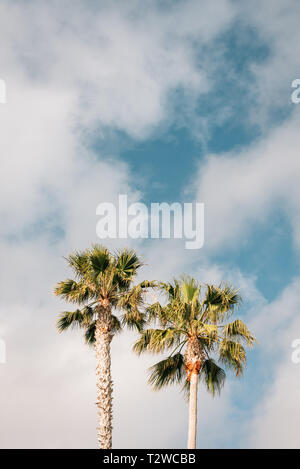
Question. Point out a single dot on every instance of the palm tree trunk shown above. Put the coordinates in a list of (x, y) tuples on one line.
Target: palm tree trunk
[(193, 411), (194, 359), (103, 338)]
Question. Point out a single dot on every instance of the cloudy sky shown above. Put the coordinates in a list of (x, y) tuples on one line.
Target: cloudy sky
[(163, 101)]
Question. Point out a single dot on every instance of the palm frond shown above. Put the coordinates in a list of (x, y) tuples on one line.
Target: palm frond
[(146, 284), (89, 333), (207, 331), (238, 330), (79, 262), (74, 292), (156, 312), (189, 289), (232, 355), (132, 298), (220, 302), (116, 325), (134, 319), (213, 376), (69, 318), (172, 290), (99, 259), (166, 372), (127, 263), (157, 340)]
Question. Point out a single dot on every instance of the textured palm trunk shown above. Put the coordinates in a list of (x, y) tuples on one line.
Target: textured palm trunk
[(194, 358), (193, 411), (103, 337)]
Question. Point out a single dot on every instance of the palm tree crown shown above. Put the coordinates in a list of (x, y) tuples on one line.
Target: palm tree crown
[(192, 326), (196, 323), (102, 280)]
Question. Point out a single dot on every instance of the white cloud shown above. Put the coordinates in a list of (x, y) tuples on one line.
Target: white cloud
[(277, 26), (71, 72), (277, 320), (276, 417), (243, 189), (122, 62)]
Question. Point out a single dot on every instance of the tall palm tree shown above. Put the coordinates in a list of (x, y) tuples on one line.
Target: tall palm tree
[(103, 284), (192, 325)]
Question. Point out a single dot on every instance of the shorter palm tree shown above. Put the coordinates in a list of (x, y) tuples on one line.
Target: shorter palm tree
[(193, 326)]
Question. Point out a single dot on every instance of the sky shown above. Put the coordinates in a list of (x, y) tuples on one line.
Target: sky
[(165, 101)]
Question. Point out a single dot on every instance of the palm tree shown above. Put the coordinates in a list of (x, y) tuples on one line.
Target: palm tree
[(103, 284), (192, 324)]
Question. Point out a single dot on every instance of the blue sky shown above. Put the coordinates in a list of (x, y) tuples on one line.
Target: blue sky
[(175, 102)]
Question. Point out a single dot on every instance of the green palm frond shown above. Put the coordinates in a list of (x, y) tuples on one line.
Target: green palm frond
[(213, 376), (69, 318), (116, 325), (220, 302), (169, 338), (233, 355), (166, 372), (127, 263), (149, 284), (74, 292), (100, 259), (142, 344), (132, 299), (239, 331), (134, 319), (80, 318), (230, 297), (172, 290), (156, 312), (224, 296), (190, 289), (157, 340), (132, 303), (79, 262), (89, 333), (207, 331)]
